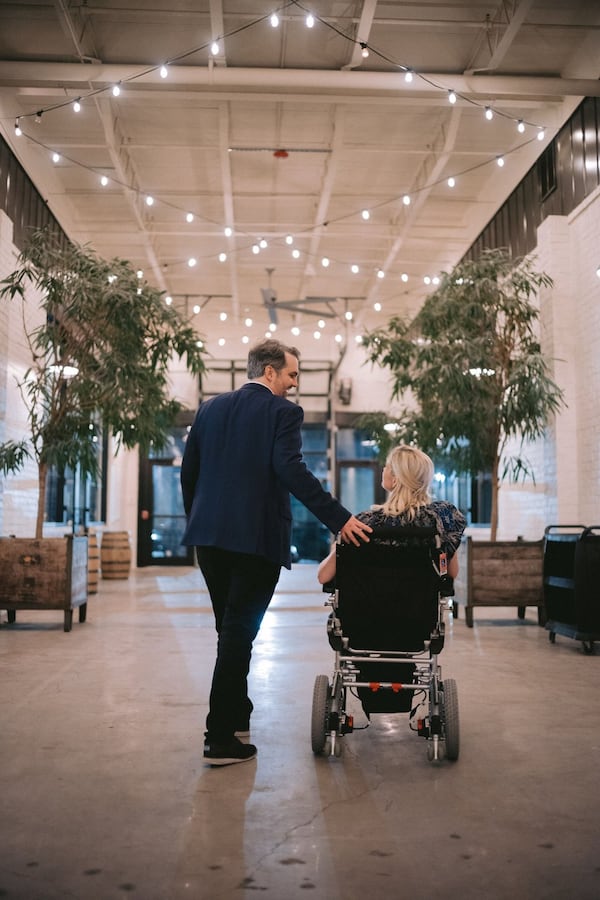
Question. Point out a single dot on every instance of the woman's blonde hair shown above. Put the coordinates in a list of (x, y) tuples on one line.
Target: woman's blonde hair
[(413, 473)]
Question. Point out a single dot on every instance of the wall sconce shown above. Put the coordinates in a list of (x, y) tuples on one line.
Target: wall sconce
[(345, 390)]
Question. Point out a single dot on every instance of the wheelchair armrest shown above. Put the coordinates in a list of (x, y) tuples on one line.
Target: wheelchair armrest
[(446, 586)]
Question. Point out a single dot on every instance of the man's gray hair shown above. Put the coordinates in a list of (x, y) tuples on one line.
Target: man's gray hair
[(268, 353)]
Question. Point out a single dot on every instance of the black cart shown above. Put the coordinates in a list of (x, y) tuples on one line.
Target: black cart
[(571, 570)]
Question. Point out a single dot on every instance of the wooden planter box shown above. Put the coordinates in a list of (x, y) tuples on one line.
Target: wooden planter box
[(500, 573), (44, 574)]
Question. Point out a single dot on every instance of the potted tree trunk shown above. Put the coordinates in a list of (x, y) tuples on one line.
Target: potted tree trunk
[(472, 365), (99, 361)]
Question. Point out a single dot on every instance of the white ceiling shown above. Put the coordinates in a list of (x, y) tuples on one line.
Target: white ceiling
[(356, 134)]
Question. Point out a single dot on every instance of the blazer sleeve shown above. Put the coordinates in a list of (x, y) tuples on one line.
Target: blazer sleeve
[(294, 474)]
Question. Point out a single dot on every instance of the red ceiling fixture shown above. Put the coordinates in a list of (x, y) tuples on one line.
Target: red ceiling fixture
[(281, 154)]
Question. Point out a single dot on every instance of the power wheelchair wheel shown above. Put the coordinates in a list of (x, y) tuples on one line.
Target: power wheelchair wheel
[(450, 718), (320, 713)]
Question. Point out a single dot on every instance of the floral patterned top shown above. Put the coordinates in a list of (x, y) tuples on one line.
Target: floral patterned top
[(449, 521)]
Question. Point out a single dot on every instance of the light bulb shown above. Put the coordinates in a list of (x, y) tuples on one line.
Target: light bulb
[(248, 322), (228, 231), (163, 71), (76, 106), (408, 76), (451, 97), (489, 113), (55, 157), (380, 273), (221, 342), (255, 249), (104, 181), (500, 161), (140, 273), (149, 200), (296, 253), (196, 309), (189, 217), (404, 277), (426, 280), (191, 262), (245, 339), (339, 338), (116, 90), (321, 323), (541, 134), (451, 182), (18, 131), (521, 126), (262, 244), (366, 215), (364, 50), (223, 316), (222, 257), (348, 316), (354, 269), (377, 307), (295, 331), (289, 239), (168, 300), (406, 200), (310, 20), (214, 48), (325, 262), (274, 20), (316, 335)]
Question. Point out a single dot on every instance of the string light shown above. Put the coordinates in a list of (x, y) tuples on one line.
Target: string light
[(404, 277), (289, 239), (296, 253), (325, 262), (354, 269), (255, 249), (409, 75), (366, 215), (228, 231), (191, 262), (189, 217), (222, 257), (380, 273)]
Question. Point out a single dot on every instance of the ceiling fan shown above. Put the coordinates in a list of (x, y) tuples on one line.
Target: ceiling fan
[(325, 310)]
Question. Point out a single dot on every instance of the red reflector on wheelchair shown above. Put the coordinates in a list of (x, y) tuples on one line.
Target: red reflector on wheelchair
[(397, 687), (374, 686)]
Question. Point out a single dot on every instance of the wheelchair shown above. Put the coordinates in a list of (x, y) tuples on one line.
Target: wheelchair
[(387, 630)]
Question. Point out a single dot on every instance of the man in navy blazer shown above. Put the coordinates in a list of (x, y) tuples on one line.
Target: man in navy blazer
[(243, 458)]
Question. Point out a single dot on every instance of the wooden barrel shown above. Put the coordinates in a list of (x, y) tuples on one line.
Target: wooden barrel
[(93, 562), (115, 554)]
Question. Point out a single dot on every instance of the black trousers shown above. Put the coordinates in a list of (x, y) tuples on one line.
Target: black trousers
[(241, 587)]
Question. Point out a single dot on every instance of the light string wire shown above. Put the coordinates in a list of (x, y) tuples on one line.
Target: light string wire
[(309, 229)]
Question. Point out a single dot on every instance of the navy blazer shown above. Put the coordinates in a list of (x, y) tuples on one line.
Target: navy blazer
[(243, 458)]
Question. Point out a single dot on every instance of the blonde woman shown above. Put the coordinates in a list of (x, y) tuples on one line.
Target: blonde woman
[(407, 477)]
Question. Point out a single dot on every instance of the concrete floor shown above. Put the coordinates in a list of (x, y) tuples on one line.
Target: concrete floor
[(104, 793)]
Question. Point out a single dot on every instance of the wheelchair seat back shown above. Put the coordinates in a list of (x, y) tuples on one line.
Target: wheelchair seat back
[(388, 589)]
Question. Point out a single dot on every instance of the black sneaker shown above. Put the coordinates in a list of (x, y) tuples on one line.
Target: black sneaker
[(227, 754)]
